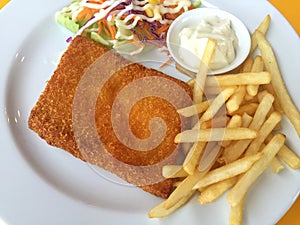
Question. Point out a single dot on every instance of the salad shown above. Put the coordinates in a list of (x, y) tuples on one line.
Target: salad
[(114, 23)]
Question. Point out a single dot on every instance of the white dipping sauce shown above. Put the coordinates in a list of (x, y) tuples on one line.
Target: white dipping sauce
[(193, 41)]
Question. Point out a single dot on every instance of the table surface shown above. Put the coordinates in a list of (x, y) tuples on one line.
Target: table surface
[(290, 9)]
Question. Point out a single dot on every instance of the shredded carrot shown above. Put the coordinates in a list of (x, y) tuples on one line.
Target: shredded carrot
[(171, 16), (162, 29), (148, 34), (100, 27), (112, 30), (86, 13), (96, 1)]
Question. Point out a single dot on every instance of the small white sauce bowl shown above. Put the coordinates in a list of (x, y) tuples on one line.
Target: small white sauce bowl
[(191, 19)]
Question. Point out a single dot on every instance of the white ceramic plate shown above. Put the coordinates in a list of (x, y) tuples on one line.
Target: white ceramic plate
[(44, 185)]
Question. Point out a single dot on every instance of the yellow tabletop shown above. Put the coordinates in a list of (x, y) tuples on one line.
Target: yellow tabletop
[(3, 3), (290, 9)]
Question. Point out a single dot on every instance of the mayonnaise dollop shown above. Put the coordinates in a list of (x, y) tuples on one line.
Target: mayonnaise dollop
[(193, 41)]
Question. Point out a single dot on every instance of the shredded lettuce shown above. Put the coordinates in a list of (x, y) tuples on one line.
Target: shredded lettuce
[(102, 32), (65, 17)]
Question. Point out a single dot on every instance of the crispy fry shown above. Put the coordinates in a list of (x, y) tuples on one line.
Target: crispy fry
[(239, 79), (239, 190), (235, 121), (269, 88), (264, 131), (215, 134), (216, 104), (210, 156), (160, 210), (210, 92), (282, 94), (236, 99), (247, 65), (250, 78), (202, 72), (250, 109), (236, 213), (246, 120), (184, 190), (192, 159), (230, 170), (214, 191), (194, 109), (263, 27), (276, 165), (287, 155), (173, 171), (258, 66), (235, 150), (217, 122)]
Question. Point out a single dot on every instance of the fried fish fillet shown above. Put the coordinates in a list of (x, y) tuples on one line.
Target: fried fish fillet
[(63, 117)]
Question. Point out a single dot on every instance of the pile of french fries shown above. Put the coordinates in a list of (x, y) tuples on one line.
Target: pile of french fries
[(236, 135)]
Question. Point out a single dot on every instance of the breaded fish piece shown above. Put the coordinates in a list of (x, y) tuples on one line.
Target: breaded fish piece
[(54, 116)]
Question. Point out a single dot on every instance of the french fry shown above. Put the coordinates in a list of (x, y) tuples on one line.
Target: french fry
[(234, 122), (250, 109), (214, 191), (202, 72), (269, 88), (248, 98), (216, 104), (287, 155), (281, 92), (262, 111), (215, 134), (264, 131), (239, 190), (258, 66), (236, 99), (209, 156), (217, 122), (173, 171), (247, 65), (184, 190), (192, 159), (161, 211), (263, 27), (235, 150), (276, 165), (211, 92), (250, 78), (246, 120), (230, 170), (194, 109), (176, 183), (239, 79), (236, 213)]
